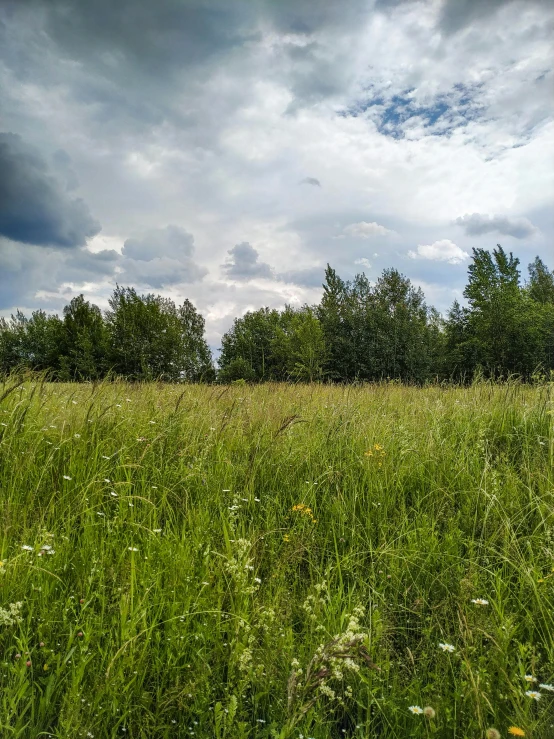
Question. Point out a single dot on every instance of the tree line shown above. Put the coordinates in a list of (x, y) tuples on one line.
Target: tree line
[(359, 331)]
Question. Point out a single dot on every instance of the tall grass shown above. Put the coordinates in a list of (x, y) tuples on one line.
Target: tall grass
[(276, 561)]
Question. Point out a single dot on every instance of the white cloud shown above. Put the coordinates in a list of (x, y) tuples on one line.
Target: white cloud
[(363, 262), (365, 230), (440, 251)]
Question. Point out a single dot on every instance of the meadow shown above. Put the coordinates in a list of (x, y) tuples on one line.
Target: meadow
[(279, 561)]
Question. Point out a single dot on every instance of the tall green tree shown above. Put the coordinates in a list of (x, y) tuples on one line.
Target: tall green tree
[(196, 359), (499, 324), (298, 347), (84, 341), (149, 338), (35, 342), (541, 282), (247, 348)]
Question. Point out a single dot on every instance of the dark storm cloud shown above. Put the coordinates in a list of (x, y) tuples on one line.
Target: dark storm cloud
[(244, 264), (478, 224), (35, 207), (162, 256)]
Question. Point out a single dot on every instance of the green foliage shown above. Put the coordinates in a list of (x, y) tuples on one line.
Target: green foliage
[(358, 332), (272, 345), (506, 329), (264, 561), (141, 337), (382, 332), (85, 341)]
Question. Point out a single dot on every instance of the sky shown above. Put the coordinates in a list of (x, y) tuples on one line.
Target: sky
[(225, 151)]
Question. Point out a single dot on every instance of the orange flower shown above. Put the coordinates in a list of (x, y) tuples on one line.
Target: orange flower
[(516, 731)]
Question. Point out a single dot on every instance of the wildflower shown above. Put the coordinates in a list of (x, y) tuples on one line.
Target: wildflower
[(286, 537), (28, 663), (27, 548), (77, 436), (157, 531), (99, 513), (45, 668), (416, 709), (80, 634), (104, 457), (66, 477), (17, 656), (516, 731), (258, 580), (492, 734), (533, 694), (133, 549), (546, 686), (41, 644), (480, 601), (530, 678), (429, 712), (113, 493), (106, 480)]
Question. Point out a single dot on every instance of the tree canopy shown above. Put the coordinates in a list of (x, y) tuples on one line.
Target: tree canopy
[(359, 331)]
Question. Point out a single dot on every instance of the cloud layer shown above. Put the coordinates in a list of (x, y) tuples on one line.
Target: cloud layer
[(274, 137), (477, 224)]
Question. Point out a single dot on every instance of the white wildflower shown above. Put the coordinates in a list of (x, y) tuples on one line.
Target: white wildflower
[(416, 709), (11, 615), (66, 477), (447, 647), (530, 679), (546, 686), (133, 549), (27, 548), (533, 694), (480, 601)]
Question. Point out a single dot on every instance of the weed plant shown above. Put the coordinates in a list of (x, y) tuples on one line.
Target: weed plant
[(276, 561)]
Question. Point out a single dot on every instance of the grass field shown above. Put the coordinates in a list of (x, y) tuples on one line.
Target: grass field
[(276, 561)]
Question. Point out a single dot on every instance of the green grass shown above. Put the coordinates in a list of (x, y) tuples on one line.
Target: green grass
[(185, 596)]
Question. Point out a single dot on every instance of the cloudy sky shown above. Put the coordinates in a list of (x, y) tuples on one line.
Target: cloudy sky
[(226, 150)]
